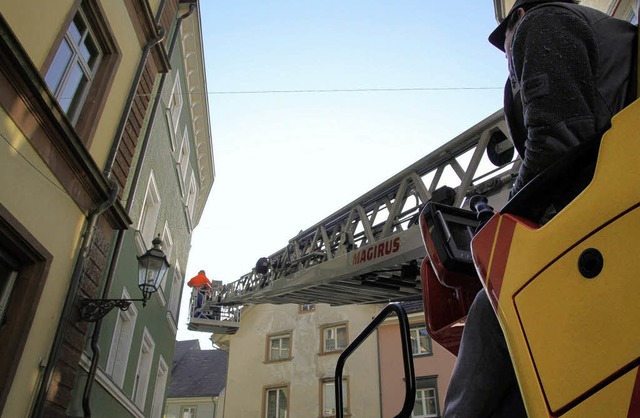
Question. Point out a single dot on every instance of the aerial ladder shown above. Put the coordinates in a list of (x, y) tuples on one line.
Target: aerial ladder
[(370, 250), (565, 292)]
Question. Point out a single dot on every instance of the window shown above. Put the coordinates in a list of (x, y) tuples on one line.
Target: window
[(276, 402), (426, 404), (167, 245), (279, 347), (74, 66), (141, 381), (328, 401), (149, 213), (189, 412), (82, 64), (183, 158), (420, 340), (191, 197), (158, 393), (175, 292), (121, 342), (175, 102), (306, 308), (334, 338)]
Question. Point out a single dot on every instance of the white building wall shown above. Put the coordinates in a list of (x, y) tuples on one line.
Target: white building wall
[(249, 373)]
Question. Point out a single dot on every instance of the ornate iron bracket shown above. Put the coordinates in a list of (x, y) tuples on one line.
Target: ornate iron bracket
[(92, 310)]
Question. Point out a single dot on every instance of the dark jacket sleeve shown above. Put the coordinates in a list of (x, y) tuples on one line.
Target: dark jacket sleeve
[(554, 57)]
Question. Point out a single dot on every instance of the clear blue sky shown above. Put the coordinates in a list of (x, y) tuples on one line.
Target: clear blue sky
[(285, 161)]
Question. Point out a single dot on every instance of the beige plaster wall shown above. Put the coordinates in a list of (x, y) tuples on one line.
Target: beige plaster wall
[(249, 374), (56, 222)]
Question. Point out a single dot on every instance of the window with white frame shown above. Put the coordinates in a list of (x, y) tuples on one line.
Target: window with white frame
[(183, 157), (426, 404), (328, 400), (158, 392), (175, 102), (279, 347), (118, 357), (149, 213), (310, 307), (188, 412), (74, 66), (167, 244), (174, 299), (143, 371), (191, 197), (334, 338), (420, 340), (276, 402)]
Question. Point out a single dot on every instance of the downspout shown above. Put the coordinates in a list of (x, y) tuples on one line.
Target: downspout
[(69, 302), (95, 348)]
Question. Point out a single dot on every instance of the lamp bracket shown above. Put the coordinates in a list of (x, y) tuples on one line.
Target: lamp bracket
[(92, 310)]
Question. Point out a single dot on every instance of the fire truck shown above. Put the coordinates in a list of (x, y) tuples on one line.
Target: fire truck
[(565, 292)]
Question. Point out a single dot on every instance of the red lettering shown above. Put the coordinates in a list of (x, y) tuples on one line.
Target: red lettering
[(384, 248), (396, 244), (370, 253)]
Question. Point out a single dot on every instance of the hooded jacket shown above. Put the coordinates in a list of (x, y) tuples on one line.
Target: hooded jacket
[(572, 68)]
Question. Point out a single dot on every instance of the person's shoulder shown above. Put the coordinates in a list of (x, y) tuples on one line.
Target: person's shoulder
[(555, 17), (555, 11)]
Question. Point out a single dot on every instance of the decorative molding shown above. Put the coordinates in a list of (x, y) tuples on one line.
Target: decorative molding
[(198, 105)]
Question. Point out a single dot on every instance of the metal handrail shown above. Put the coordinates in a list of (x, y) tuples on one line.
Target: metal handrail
[(407, 359)]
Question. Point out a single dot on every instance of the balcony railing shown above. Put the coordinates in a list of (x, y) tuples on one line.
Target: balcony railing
[(207, 315)]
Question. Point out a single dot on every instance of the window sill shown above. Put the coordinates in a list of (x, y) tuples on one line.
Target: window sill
[(328, 353), (282, 360), (423, 355)]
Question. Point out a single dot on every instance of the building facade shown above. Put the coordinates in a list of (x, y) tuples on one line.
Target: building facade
[(166, 197), (78, 81), (282, 362)]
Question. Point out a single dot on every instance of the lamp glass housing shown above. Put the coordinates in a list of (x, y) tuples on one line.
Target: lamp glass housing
[(152, 267)]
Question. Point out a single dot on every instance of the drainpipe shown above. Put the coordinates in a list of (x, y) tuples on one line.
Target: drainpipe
[(95, 348), (69, 302)]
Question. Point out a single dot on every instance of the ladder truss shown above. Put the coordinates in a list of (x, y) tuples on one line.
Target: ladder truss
[(370, 250)]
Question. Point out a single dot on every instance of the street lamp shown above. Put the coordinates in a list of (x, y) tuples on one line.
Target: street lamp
[(152, 267)]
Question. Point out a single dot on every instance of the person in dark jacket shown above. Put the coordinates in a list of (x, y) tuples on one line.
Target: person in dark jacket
[(571, 68)]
